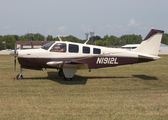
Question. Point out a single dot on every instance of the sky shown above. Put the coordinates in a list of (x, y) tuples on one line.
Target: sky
[(76, 17)]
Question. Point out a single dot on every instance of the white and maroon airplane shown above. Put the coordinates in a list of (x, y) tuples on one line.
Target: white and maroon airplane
[(70, 56)]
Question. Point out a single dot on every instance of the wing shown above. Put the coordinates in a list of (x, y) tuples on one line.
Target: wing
[(60, 64), (80, 62)]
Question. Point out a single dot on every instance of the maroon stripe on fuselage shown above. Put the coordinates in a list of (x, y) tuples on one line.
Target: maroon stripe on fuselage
[(92, 62)]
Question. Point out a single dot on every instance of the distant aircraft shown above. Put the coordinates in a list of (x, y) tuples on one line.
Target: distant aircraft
[(70, 56)]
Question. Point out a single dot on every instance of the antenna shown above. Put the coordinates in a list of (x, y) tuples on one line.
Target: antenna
[(86, 34), (59, 37), (86, 41)]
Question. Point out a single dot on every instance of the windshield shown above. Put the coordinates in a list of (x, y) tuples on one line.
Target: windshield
[(47, 46)]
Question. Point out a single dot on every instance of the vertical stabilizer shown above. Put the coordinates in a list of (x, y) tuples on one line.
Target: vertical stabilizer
[(151, 43)]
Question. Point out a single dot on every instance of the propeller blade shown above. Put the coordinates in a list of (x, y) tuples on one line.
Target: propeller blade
[(15, 48), (14, 53), (15, 64)]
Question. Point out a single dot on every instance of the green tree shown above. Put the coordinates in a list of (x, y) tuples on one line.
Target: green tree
[(17, 38), (106, 43), (10, 41), (33, 37), (106, 37), (23, 38), (49, 38), (96, 38), (165, 39), (130, 39), (1, 45), (37, 37), (99, 42), (112, 40)]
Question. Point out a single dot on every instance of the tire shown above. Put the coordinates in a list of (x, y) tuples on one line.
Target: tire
[(67, 79), (19, 77), (61, 73)]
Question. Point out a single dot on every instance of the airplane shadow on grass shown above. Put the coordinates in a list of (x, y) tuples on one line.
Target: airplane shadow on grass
[(82, 80), (145, 77)]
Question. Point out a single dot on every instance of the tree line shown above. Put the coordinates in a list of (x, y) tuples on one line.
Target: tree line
[(97, 40)]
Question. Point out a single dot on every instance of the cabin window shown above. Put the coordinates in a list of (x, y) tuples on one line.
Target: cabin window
[(96, 51), (73, 48), (86, 50), (59, 47)]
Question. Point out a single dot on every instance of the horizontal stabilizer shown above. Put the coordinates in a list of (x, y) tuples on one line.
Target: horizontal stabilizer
[(149, 57)]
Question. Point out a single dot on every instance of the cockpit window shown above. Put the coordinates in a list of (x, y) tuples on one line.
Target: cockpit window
[(59, 47), (47, 46)]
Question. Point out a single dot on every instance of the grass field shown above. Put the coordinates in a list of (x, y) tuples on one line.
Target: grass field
[(130, 92)]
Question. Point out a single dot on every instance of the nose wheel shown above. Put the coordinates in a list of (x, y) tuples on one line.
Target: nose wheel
[(19, 76)]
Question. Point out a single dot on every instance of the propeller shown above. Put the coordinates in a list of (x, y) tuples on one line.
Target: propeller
[(15, 64), (14, 53), (15, 59)]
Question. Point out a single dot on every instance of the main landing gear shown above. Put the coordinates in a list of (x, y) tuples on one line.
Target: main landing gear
[(19, 76), (61, 73)]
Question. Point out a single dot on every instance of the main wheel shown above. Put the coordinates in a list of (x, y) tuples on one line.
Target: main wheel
[(61, 73), (67, 79)]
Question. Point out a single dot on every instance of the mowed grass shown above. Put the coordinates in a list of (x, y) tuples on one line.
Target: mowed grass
[(129, 92)]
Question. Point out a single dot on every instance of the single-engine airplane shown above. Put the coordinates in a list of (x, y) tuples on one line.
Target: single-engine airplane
[(70, 56)]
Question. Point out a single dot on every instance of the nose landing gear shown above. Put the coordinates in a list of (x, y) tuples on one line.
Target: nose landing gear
[(19, 76)]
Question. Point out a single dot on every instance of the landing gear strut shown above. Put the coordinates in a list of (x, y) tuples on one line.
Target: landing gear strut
[(19, 76), (61, 73)]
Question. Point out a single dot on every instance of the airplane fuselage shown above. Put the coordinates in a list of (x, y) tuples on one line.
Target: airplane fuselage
[(70, 56), (84, 57)]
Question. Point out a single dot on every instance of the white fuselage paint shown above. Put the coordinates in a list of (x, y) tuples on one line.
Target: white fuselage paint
[(108, 55), (41, 53)]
